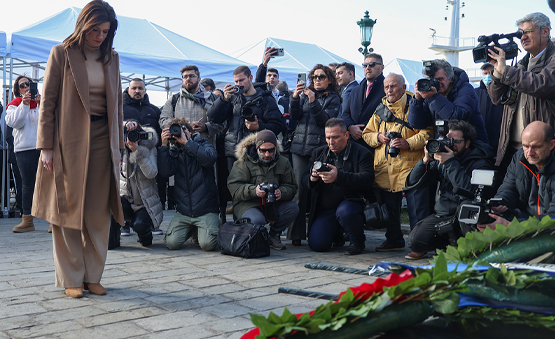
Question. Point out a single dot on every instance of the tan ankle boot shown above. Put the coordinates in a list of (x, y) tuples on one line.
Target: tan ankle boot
[(74, 292), (94, 288), (26, 225)]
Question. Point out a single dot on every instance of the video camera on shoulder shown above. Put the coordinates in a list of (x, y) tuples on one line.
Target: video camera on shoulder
[(480, 52), (438, 145), (136, 134), (426, 84), (476, 212)]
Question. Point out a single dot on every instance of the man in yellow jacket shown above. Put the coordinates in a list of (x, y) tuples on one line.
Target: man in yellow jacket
[(398, 148)]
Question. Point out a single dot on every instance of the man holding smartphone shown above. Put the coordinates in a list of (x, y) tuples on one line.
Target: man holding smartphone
[(271, 77), (365, 98)]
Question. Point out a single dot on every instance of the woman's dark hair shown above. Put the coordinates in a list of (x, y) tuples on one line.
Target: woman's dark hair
[(333, 87), (16, 85), (94, 14)]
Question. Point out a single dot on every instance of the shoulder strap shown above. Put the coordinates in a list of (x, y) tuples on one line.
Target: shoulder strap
[(175, 97), (384, 114)]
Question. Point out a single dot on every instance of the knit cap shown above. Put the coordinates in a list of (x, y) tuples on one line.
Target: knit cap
[(265, 136)]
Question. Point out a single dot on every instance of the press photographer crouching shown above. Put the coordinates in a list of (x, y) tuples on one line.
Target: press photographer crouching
[(142, 209), (190, 159), (262, 185), (529, 185), (343, 172), (455, 157)]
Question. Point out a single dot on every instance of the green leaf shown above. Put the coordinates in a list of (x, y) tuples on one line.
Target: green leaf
[(447, 304), (492, 275), (453, 253), (287, 316), (440, 268), (266, 327)]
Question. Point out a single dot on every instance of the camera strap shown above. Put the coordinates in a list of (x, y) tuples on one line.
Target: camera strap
[(384, 114), (269, 211)]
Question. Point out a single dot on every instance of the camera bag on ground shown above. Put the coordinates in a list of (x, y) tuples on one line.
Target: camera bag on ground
[(376, 214), (244, 239)]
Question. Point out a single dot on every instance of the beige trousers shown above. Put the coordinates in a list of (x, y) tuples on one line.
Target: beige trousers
[(80, 255)]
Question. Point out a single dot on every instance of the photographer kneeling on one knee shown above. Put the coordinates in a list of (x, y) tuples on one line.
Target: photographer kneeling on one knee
[(452, 167), (141, 205), (262, 185), (191, 161)]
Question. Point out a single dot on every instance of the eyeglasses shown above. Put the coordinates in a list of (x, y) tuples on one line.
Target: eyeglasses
[(269, 150), (319, 77), (23, 85), (457, 141), (189, 76), (371, 64), (528, 31)]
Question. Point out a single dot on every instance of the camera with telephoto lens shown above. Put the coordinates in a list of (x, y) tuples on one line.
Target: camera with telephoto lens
[(247, 113), (425, 85), (392, 151), (136, 134), (480, 52), (321, 167), (175, 131), (475, 212), (270, 190), (438, 145)]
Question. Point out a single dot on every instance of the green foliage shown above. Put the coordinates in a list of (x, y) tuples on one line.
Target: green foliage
[(473, 318), (474, 243)]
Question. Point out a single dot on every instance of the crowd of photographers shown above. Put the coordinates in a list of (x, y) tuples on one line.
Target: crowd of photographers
[(340, 152)]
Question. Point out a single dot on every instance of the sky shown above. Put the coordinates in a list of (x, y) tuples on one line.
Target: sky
[(402, 29)]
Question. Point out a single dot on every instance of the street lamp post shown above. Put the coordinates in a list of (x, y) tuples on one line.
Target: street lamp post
[(366, 27)]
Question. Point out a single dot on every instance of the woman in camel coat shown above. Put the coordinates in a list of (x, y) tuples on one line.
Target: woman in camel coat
[(80, 136)]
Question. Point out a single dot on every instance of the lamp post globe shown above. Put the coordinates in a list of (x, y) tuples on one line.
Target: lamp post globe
[(366, 27)]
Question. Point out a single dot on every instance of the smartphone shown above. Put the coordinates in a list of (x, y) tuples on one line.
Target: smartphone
[(278, 52), (301, 78), (239, 89), (33, 89)]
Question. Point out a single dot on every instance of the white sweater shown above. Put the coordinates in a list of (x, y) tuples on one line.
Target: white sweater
[(24, 122)]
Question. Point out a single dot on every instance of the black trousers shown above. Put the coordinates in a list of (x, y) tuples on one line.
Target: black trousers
[(424, 237), (28, 162), (140, 221)]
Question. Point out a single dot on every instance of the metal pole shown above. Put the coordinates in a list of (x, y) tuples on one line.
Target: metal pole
[(325, 267), (310, 294)]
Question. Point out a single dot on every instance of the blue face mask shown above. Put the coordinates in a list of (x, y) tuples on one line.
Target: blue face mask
[(486, 79)]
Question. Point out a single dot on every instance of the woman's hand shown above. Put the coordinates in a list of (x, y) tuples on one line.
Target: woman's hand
[(37, 98), (46, 158), (26, 98), (311, 96), (299, 89)]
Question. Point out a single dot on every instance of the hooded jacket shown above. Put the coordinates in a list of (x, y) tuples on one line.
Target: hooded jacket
[(24, 120), (195, 189), (536, 88), (527, 189), (391, 172), (138, 178), (311, 119), (455, 172), (263, 106), (145, 113), (248, 172), (460, 103)]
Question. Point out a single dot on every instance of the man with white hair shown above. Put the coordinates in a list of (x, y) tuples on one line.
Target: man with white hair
[(533, 80)]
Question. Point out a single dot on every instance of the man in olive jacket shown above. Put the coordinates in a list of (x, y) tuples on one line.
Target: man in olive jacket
[(259, 165)]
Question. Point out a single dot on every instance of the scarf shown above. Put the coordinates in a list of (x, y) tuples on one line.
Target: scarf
[(199, 98), (17, 102)]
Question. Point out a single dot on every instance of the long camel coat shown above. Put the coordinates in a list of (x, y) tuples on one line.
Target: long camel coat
[(64, 127)]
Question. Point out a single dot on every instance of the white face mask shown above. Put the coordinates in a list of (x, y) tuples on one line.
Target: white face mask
[(486, 79)]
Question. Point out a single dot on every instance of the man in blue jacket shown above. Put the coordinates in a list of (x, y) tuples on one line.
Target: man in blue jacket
[(365, 98), (345, 75), (454, 99)]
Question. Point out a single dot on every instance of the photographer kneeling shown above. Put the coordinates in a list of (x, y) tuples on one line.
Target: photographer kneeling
[(191, 161), (262, 185), (529, 184), (141, 205), (452, 167)]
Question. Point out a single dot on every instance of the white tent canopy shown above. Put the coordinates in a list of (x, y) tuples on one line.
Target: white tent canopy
[(144, 48), (410, 69), (298, 58)]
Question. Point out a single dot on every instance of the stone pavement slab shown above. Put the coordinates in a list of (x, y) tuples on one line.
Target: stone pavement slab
[(157, 293)]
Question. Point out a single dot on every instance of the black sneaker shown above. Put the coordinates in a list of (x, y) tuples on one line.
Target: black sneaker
[(125, 230), (354, 249), (275, 242)]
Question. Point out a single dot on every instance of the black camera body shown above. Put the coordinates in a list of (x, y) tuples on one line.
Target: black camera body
[(270, 190), (136, 134), (247, 113), (438, 145), (175, 130), (426, 84), (321, 167), (480, 52), (392, 151)]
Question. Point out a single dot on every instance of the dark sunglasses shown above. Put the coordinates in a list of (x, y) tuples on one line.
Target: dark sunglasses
[(23, 85), (269, 150), (319, 77), (371, 64)]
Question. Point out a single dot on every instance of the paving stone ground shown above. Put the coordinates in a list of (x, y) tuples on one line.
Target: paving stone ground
[(157, 293)]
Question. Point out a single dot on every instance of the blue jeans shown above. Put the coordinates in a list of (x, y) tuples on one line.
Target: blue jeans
[(328, 226)]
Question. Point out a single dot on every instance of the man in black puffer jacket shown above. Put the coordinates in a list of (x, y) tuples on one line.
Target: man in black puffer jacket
[(137, 107), (452, 168), (247, 113), (529, 185), (191, 160)]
